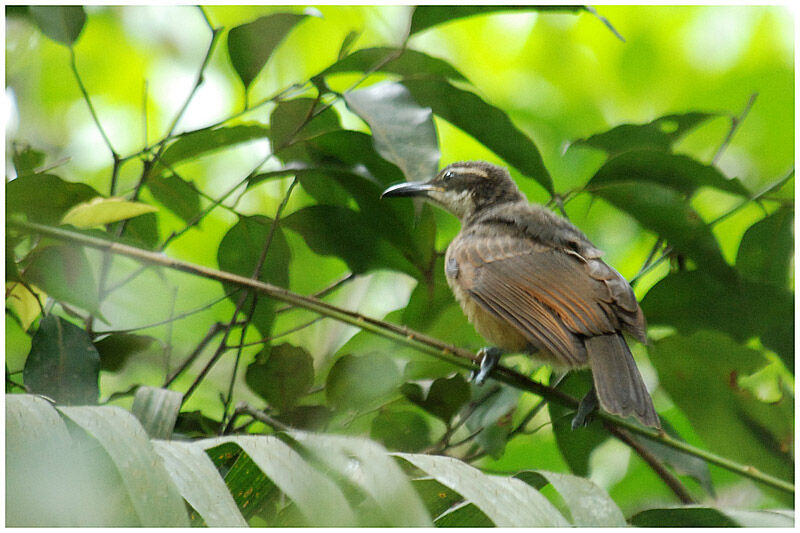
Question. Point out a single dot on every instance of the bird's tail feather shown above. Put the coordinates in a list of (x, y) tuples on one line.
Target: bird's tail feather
[(617, 381)]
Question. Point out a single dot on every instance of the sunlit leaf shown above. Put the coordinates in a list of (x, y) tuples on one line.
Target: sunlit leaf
[(251, 45), (358, 382), (406, 62), (483, 121), (664, 212), (295, 120), (767, 247), (23, 302), (61, 23), (101, 211), (281, 375), (44, 197), (402, 130)]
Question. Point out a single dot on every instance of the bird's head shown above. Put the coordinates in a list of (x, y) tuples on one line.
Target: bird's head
[(463, 188)]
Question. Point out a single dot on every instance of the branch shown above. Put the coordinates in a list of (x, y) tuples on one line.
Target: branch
[(401, 334)]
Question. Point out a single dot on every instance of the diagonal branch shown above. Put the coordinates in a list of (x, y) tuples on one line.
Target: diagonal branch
[(401, 334)]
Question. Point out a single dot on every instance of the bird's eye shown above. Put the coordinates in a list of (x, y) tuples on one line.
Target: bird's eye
[(448, 175)]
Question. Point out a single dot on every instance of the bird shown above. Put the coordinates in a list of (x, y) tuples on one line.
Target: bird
[(530, 281)]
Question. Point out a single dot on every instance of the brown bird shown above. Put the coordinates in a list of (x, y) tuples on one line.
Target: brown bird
[(530, 281)]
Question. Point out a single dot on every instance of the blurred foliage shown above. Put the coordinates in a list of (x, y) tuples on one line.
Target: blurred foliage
[(257, 139)]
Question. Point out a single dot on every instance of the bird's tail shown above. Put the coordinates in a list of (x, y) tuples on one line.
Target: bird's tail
[(617, 381)]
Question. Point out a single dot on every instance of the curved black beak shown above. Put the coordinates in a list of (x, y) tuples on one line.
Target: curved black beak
[(410, 188)]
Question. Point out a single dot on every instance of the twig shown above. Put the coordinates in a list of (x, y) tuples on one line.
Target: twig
[(279, 335), (324, 292), (212, 332), (735, 123), (88, 100), (400, 334)]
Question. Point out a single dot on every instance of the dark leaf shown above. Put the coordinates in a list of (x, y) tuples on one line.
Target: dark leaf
[(281, 375), (493, 414), (45, 198), (709, 517), (486, 123), (64, 273), (426, 16), (660, 134), (308, 417), (115, 349), (666, 213), (691, 301), (248, 485), (198, 143), (403, 132), (401, 429), (348, 42), (63, 363), (576, 446), (437, 498), (295, 120), (444, 398), (466, 515), (358, 382), (196, 424), (405, 63), (240, 251), (700, 374), (26, 159), (251, 45), (767, 247), (331, 230), (61, 23), (678, 172), (179, 196), (142, 231)]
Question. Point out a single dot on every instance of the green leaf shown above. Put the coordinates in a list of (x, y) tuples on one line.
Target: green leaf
[(239, 252), (678, 172), (142, 231), (102, 211), (464, 515), (282, 377), (63, 363), (426, 16), (318, 499), (116, 348), (179, 196), (664, 212), (401, 429), (436, 497), (64, 273), (660, 134), (444, 398), (248, 485), (508, 502), (157, 410), (405, 63), (331, 230), (293, 121), (199, 483), (697, 516), (61, 23), (251, 45), (403, 131), (366, 464), (26, 160), (308, 417), (486, 123), (720, 412), (155, 498), (358, 382), (766, 250), (683, 463), (691, 301), (44, 197), (493, 413), (202, 142)]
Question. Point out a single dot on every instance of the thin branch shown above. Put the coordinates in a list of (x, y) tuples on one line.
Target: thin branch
[(324, 292), (88, 100), (735, 123), (400, 334), (289, 331), (212, 332)]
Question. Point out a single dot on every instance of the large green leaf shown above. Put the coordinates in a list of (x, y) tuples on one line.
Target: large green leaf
[(666, 213), (401, 429), (251, 45), (64, 273), (63, 363), (678, 172), (240, 251), (361, 381), (767, 247), (61, 23), (402, 130), (659, 134), (691, 301), (117, 348), (250, 487), (155, 498), (443, 399), (426, 16), (295, 120), (486, 123), (202, 142), (405, 62), (179, 196), (44, 197), (281, 375), (699, 373)]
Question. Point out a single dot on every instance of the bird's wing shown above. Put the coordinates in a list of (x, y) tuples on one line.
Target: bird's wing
[(553, 296)]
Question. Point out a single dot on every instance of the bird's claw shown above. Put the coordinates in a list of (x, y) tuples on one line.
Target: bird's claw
[(490, 356)]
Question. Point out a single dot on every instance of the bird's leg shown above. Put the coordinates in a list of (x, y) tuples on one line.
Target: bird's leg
[(586, 408), (490, 356)]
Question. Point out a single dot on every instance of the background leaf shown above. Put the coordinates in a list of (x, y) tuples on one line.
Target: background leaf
[(766, 250), (45, 197), (281, 375), (61, 23)]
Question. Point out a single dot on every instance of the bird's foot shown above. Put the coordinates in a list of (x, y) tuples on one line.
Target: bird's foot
[(586, 409), (490, 356)]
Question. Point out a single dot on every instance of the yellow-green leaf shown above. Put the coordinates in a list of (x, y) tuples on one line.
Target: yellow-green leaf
[(100, 211)]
